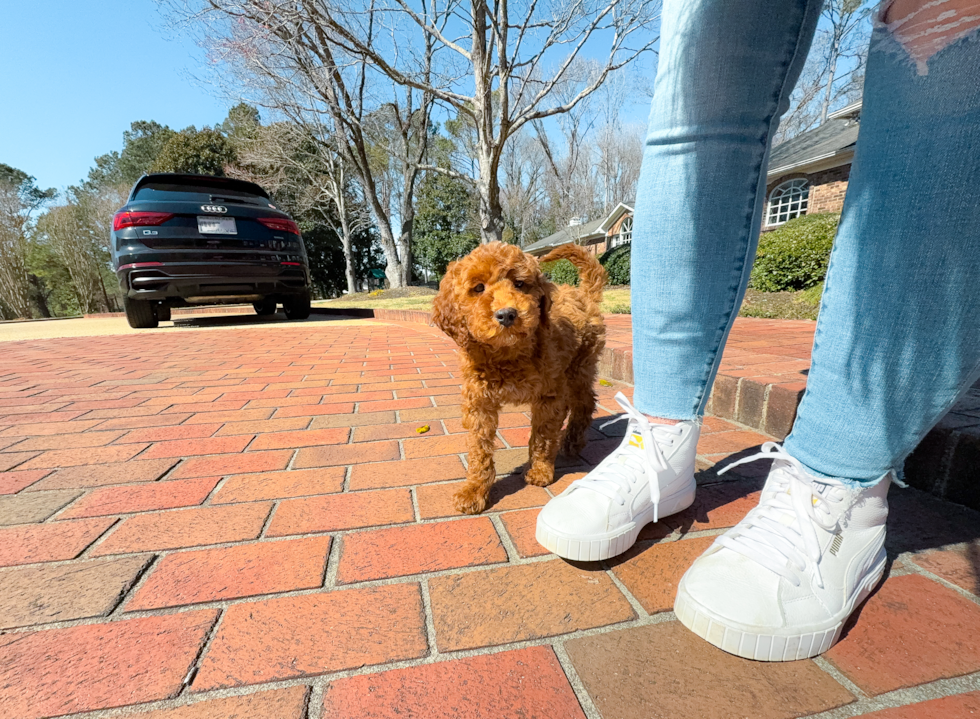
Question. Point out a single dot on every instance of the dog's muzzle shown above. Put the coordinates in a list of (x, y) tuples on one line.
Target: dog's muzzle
[(506, 316)]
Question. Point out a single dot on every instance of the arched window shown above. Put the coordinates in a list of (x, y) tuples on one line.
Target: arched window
[(787, 201), (625, 235)]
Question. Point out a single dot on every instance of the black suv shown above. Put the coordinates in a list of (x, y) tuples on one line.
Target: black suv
[(197, 240)]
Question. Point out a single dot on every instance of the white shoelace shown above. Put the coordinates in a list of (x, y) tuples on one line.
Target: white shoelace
[(619, 472), (779, 534)]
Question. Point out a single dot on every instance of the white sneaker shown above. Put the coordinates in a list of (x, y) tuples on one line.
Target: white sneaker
[(649, 476), (780, 584)]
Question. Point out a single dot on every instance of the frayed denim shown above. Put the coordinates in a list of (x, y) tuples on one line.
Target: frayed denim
[(898, 336)]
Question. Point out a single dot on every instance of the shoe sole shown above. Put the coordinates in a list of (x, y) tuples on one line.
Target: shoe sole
[(771, 647), (610, 544)]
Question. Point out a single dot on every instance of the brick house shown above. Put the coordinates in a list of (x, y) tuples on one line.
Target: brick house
[(809, 173), (597, 236)]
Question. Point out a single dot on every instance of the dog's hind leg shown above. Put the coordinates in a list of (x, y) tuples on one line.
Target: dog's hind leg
[(547, 415), (581, 403)]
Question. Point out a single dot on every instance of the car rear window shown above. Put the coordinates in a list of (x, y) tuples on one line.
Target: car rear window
[(170, 192)]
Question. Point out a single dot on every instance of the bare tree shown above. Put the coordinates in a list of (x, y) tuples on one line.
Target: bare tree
[(281, 51), (619, 151), (285, 157), (20, 198), (14, 246), (834, 72), (844, 41), (74, 238), (569, 158), (522, 189), (499, 63)]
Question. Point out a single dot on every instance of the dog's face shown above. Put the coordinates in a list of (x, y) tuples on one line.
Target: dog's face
[(496, 296)]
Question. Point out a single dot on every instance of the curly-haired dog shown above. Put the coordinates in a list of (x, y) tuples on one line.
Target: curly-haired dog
[(524, 340)]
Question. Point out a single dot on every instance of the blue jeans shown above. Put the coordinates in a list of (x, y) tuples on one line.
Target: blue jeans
[(898, 336)]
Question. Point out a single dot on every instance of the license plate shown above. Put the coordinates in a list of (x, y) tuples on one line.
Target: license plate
[(216, 226)]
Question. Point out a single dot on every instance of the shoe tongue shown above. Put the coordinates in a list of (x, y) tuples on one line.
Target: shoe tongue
[(634, 443)]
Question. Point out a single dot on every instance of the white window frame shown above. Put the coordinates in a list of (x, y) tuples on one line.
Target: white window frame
[(625, 234), (787, 201)]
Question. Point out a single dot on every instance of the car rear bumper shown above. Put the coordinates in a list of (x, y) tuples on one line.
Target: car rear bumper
[(197, 283)]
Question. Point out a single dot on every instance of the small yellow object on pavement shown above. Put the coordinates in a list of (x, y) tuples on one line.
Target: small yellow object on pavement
[(423, 429), (605, 383)]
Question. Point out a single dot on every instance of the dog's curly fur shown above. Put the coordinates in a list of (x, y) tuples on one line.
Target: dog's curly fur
[(548, 358)]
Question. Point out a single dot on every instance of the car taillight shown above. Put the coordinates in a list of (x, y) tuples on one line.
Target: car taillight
[(139, 219), (281, 224)]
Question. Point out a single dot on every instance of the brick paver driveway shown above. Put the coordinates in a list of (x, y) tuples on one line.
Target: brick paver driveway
[(250, 522)]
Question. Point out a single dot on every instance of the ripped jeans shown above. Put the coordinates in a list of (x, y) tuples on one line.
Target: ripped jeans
[(898, 336)]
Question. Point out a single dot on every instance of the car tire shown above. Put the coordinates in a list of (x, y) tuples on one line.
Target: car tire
[(265, 307), (141, 314), (297, 307), (163, 313)]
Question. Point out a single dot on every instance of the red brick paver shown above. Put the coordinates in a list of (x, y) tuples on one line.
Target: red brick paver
[(98, 666), (246, 522), (523, 683), (314, 634)]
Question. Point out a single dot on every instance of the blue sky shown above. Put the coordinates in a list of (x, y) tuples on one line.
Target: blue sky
[(76, 73)]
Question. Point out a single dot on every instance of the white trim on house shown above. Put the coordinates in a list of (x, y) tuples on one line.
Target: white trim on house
[(853, 109), (618, 211), (814, 164)]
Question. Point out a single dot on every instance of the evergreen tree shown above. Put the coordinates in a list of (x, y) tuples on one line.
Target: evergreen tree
[(446, 226), (196, 152)]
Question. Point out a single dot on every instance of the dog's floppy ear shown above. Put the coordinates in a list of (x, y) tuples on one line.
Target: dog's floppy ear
[(445, 310), (546, 289), (545, 303)]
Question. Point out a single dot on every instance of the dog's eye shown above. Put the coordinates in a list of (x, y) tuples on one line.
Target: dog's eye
[(478, 289), (518, 283)]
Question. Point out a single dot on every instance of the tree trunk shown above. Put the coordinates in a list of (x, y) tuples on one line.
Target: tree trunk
[(349, 264), (491, 213), (394, 270), (405, 247), (830, 84), (345, 243)]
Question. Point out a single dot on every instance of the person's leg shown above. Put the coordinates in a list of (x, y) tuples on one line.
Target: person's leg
[(726, 71), (897, 340), (725, 74), (898, 335)]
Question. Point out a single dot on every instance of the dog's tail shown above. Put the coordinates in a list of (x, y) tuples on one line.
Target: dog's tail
[(592, 276)]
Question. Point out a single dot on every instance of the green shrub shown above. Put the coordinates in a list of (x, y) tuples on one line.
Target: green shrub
[(561, 272), (795, 256), (617, 264)]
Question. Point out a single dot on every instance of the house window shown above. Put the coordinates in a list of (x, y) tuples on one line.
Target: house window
[(787, 201), (625, 235)]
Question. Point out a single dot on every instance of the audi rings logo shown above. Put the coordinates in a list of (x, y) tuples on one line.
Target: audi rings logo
[(214, 208)]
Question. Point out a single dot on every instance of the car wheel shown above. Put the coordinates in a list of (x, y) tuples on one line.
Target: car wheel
[(264, 307), (163, 313), (140, 313), (297, 307)]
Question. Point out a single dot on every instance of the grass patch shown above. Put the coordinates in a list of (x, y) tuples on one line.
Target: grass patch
[(401, 298), (802, 305)]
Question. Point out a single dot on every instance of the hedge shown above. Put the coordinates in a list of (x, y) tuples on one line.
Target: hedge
[(795, 256), (617, 264), (561, 272), (616, 261)]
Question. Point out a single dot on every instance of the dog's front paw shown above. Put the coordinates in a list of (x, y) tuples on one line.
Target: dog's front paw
[(539, 475), (470, 500)]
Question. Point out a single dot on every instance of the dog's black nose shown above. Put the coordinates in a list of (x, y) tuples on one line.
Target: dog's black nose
[(506, 316)]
